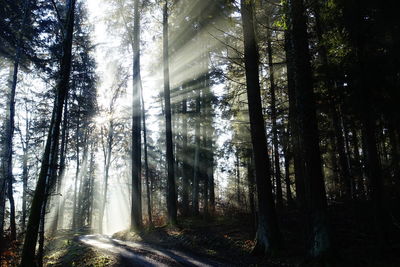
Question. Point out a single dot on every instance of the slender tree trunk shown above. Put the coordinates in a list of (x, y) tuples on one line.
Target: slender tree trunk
[(287, 157), (40, 252), (278, 175), (319, 234), (63, 153), (28, 251), (6, 175), (374, 171), (205, 173), (206, 207), (252, 189), (185, 158), (210, 172), (196, 166), (171, 191), (268, 237), (345, 128), (340, 146), (8, 144), (25, 173), (357, 160), (395, 158), (238, 200), (82, 177), (136, 213), (107, 164), (75, 208), (296, 145), (334, 170), (92, 169), (146, 163)]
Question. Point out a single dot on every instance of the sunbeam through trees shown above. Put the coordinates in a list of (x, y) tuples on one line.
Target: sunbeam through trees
[(199, 133)]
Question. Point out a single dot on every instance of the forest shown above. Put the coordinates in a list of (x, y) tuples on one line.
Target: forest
[(199, 133)]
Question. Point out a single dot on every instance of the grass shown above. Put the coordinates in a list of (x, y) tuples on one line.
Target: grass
[(65, 250)]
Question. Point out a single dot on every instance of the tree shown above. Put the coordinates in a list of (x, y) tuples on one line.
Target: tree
[(268, 237), (6, 175), (28, 252), (136, 213), (319, 233), (171, 191)]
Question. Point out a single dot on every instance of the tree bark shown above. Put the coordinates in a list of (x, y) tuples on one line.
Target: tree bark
[(319, 232), (278, 175), (252, 189), (296, 145), (268, 237), (287, 156), (107, 164), (196, 165), (25, 148), (171, 191), (237, 167), (28, 251), (185, 158), (136, 212), (63, 154), (6, 175), (146, 162), (74, 212)]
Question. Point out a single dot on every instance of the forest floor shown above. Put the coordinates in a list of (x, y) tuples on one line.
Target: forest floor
[(225, 241)]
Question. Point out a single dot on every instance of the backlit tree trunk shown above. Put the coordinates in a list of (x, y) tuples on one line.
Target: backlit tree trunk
[(268, 237), (171, 191), (28, 251), (136, 212), (319, 232)]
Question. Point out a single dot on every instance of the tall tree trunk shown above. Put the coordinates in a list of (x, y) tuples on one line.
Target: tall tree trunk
[(171, 191), (319, 232), (210, 171), (252, 189), (330, 85), (146, 162), (63, 154), (334, 173), (28, 251), (365, 91), (296, 145), (268, 237), (107, 164), (6, 175), (357, 159), (340, 146), (374, 171), (287, 156), (205, 172), (238, 200), (50, 182), (136, 212), (40, 253), (185, 157), (25, 149), (196, 165), (75, 208), (395, 158), (92, 169), (278, 175), (7, 156), (82, 177)]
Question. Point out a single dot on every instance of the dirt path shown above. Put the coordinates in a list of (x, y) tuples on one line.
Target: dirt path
[(143, 254)]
